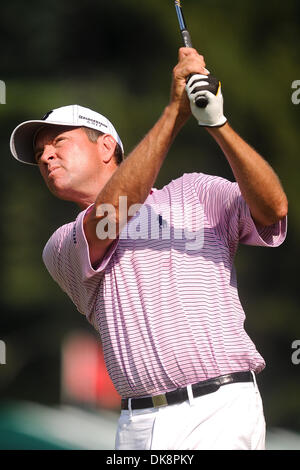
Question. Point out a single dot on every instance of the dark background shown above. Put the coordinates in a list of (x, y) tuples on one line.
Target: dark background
[(117, 58)]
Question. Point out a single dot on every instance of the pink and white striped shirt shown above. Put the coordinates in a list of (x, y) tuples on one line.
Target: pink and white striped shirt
[(165, 298)]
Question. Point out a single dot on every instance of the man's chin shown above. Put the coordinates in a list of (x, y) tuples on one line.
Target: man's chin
[(65, 193), (59, 192)]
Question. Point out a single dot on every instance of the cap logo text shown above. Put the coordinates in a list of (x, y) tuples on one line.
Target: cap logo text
[(92, 121)]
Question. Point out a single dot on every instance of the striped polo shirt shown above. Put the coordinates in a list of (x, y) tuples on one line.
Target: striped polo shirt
[(164, 298)]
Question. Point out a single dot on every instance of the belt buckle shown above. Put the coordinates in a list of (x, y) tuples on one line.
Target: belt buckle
[(159, 400)]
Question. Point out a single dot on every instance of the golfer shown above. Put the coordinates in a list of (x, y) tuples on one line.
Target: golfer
[(153, 270)]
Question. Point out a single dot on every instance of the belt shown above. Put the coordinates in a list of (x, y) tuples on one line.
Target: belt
[(181, 394)]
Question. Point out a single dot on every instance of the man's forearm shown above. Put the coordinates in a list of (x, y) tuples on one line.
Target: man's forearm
[(133, 179), (137, 174), (258, 182)]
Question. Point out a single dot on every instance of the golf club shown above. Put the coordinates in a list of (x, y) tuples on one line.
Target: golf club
[(200, 101)]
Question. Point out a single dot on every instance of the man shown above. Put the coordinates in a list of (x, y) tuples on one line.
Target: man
[(153, 270)]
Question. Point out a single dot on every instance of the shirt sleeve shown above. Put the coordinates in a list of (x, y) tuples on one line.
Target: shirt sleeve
[(66, 256), (229, 215)]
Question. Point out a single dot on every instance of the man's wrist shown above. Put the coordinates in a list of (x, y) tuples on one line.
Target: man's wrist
[(218, 131), (174, 113)]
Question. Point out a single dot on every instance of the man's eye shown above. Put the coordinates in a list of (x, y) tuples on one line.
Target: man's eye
[(59, 140)]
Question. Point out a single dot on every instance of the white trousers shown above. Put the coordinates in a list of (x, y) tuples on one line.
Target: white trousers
[(231, 418)]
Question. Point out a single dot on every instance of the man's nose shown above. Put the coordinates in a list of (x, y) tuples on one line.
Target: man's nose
[(48, 153)]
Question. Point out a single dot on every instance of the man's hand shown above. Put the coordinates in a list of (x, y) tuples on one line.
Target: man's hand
[(202, 85), (189, 62)]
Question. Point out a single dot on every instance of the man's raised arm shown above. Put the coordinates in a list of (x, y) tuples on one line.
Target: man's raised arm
[(257, 181), (136, 175)]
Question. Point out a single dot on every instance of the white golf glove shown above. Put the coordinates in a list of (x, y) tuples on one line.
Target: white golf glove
[(208, 88)]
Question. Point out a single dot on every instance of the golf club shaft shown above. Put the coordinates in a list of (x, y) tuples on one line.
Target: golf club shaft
[(184, 32), (201, 101)]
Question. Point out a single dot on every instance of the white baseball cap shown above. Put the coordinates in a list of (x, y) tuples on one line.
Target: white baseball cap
[(22, 138)]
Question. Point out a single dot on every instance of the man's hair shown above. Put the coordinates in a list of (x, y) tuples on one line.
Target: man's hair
[(93, 135)]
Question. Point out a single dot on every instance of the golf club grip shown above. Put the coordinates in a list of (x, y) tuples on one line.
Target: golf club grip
[(201, 101), (187, 41)]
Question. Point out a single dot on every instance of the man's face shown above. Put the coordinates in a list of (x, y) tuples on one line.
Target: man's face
[(68, 161)]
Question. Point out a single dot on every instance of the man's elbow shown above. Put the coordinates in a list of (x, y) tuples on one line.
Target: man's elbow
[(272, 215), (282, 210), (279, 212)]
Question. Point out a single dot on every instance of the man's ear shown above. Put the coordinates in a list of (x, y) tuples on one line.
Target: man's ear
[(107, 146)]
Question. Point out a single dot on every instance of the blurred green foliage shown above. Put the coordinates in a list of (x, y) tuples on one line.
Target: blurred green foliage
[(117, 57)]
